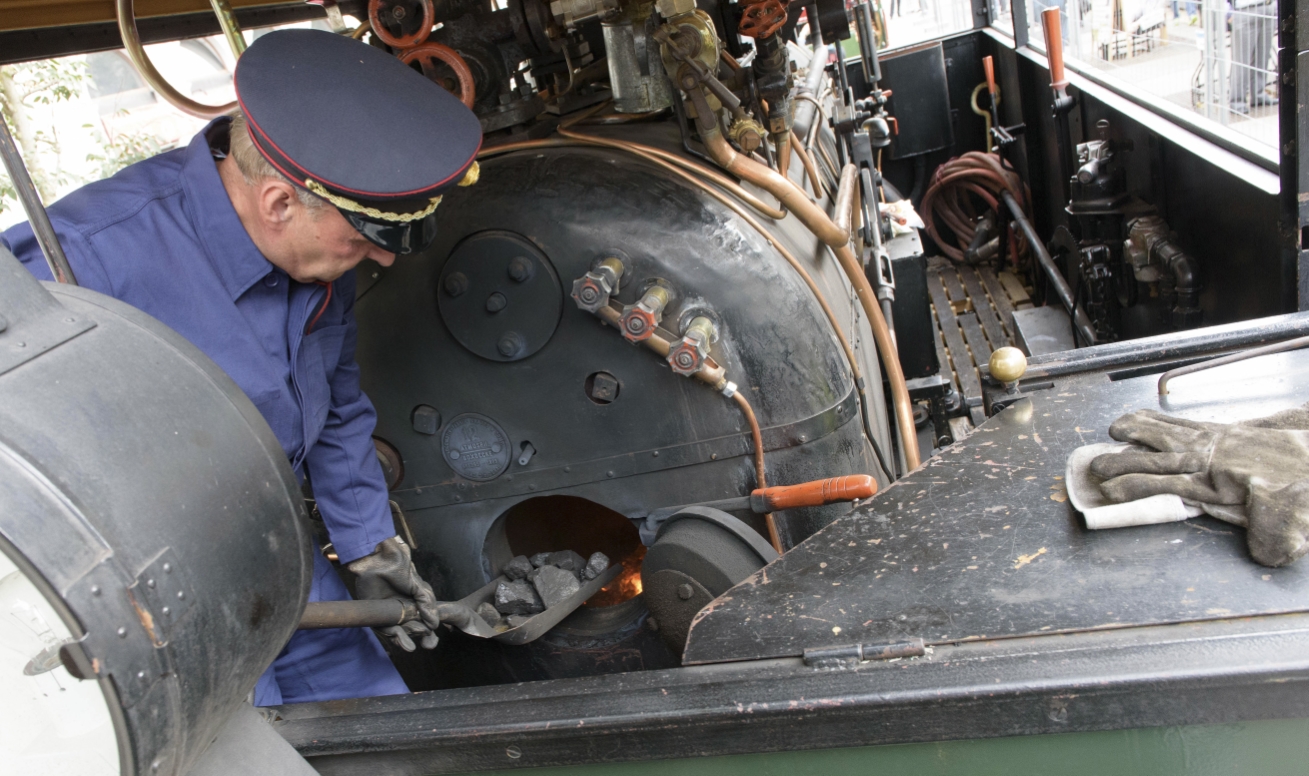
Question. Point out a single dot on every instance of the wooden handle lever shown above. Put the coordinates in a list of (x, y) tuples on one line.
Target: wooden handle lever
[(1054, 47), (813, 494), (988, 65)]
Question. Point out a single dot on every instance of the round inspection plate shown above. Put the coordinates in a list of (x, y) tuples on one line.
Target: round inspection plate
[(499, 296), (475, 447)]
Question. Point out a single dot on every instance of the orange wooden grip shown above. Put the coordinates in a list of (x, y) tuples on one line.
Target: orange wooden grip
[(989, 66), (818, 492), (1054, 47)]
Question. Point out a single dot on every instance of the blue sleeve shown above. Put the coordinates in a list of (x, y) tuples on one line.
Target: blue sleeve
[(87, 267), (347, 479)]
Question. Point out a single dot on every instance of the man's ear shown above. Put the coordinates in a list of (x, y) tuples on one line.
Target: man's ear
[(277, 202)]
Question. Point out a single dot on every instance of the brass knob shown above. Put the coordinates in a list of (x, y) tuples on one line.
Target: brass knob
[(1008, 365)]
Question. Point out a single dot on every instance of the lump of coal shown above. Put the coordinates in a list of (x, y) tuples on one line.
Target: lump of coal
[(487, 612), (595, 565), (555, 585), (514, 620), (568, 561), (517, 597), (518, 568), (541, 559)]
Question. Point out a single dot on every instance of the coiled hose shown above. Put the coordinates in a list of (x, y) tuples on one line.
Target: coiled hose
[(983, 176)]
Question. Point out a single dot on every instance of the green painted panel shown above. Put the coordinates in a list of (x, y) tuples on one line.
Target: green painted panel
[(1268, 748)]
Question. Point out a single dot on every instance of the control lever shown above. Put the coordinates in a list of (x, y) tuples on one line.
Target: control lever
[(765, 500)]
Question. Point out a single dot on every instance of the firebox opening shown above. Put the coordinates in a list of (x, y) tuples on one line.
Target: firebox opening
[(552, 523)]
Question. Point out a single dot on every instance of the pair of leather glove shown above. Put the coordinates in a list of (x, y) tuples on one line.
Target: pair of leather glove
[(1253, 473), (389, 573)]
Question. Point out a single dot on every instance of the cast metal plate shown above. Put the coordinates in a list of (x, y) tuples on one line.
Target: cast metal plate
[(500, 296), (475, 447)]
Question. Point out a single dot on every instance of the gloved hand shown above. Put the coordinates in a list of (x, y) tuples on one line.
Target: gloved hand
[(389, 573), (1260, 467)]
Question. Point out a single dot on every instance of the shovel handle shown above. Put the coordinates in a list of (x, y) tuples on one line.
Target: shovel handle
[(814, 494), (374, 613)]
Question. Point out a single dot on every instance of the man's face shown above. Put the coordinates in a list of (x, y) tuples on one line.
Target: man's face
[(320, 245)]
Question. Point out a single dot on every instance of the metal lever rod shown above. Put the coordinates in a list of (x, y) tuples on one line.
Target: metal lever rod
[(1266, 350), (36, 215), (357, 614)]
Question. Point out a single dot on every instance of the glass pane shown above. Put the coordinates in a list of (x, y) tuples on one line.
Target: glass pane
[(1203, 55), (903, 23), (1002, 16)]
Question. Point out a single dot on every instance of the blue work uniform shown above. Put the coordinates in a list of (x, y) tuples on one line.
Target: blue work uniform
[(162, 236)]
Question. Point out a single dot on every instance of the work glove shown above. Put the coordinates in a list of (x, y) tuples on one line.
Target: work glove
[(1257, 469), (389, 573)]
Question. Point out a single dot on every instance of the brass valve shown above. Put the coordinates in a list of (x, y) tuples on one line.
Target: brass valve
[(640, 320), (747, 134), (688, 355), (592, 290)]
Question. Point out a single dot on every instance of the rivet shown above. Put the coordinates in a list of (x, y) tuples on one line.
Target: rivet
[(513, 752), (656, 453), (804, 438), (140, 674), (95, 590), (567, 469), (181, 595), (609, 474), (168, 567), (70, 320), (122, 633), (532, 486), (713, 456), (167, 611), (150, 583)]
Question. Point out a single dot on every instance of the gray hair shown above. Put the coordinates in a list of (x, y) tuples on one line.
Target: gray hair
[(255, 168)]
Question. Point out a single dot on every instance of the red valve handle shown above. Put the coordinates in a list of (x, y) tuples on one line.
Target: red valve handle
[(988, 65), (375, 8), (1054, 47), (429, 53), (816, 493)]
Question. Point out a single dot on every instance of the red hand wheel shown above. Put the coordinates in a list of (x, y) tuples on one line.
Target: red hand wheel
[(428, 54), (401, 24)]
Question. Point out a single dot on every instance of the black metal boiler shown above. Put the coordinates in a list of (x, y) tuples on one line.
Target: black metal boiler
[(512, 421)]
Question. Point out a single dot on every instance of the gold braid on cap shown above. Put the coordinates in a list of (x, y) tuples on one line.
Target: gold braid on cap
[(472, 175), (355, 207)]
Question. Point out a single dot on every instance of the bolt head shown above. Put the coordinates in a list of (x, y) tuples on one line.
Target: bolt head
[(456, 283), (521, 269), (511, 344), (496, 302), (685, 592)]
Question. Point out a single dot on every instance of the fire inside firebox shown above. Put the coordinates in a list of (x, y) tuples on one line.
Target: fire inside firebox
[(553, 523)]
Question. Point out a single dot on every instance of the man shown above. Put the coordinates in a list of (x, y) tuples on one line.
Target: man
[(244, 242), (1252, 43)]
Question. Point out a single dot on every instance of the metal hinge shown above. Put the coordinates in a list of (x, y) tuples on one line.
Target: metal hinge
[(848, 655)]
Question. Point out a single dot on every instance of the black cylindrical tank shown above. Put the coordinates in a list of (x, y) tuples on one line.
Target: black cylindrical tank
[(484, 370), (143, 495)]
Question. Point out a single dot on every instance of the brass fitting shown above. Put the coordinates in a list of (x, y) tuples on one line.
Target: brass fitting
[(746, 134), (688, 356), (592, 291), (640, 320)]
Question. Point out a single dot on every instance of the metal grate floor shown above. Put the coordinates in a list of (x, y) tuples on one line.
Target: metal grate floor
[(974, 308)]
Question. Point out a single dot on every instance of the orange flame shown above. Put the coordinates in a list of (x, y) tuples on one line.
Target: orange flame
[(626, 585)]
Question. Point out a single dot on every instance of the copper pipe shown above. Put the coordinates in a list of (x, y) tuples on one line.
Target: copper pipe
[(808, 162), (364, 27), (786, 192), (758, 438), (650, 151), (845, 197), (824, 229), (783, 142), (141, 61), (231, 29)]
